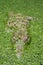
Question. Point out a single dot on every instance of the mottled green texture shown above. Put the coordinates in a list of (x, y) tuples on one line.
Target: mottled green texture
[(33, 53)]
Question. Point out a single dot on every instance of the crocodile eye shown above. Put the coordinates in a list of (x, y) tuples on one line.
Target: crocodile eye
[(14, 24), (9, 22)]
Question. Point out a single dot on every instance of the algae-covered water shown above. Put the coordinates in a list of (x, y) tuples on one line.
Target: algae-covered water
[(33, 51)]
